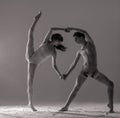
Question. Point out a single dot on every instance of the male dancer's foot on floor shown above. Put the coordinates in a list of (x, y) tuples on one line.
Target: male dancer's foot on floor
[(64, 109)]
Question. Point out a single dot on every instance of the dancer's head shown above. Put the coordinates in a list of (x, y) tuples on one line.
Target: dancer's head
[(57, 39), (79, 37)]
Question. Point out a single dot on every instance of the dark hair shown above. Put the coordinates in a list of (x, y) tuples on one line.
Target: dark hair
[(78, 34), (60, 47), (58, 37)]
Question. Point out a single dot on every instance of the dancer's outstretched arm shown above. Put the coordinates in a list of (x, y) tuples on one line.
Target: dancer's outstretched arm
[(55, 66), (72, 66), (88, 37)]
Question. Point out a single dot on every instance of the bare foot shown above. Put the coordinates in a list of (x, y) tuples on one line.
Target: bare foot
[(38, 15), (111, 108), (32, 107), (64, 109)]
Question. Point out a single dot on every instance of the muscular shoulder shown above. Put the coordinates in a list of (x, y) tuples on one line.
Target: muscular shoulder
[(91, 45)]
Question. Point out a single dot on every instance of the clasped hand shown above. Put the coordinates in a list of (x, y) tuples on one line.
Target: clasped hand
[(68, 29), (64, 76)]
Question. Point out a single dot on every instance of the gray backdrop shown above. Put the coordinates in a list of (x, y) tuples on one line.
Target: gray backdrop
[(101, 18)]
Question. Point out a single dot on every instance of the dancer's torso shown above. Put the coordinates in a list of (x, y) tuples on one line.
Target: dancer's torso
[(89, 56), (42, 53)]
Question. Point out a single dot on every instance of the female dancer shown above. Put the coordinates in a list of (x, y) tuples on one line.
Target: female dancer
[(48, 48)]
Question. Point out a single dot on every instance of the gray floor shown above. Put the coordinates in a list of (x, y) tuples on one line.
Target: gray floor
[(81, 110)]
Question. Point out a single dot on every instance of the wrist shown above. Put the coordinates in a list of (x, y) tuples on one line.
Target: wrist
[(66, 74), (60, 74)]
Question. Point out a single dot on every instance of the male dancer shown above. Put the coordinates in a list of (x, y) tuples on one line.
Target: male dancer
[(89, 67)]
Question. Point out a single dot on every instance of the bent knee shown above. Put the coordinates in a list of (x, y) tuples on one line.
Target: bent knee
[(111, 84), (28, 56), (29, 59)]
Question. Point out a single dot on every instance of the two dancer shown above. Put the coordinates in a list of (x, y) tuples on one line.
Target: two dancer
[(48, 47), (51, 43)]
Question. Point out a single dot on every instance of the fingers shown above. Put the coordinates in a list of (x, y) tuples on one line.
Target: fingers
[(61, 76), (64, 76), (67, 29)]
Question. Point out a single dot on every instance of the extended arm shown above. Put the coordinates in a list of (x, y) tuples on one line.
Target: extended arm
[(54, 65), (74, 63), (88, 38)]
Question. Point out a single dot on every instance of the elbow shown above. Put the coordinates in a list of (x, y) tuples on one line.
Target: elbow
[(54, 66)]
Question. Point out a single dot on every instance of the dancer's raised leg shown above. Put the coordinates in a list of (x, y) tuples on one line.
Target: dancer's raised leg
[(30, 43)]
